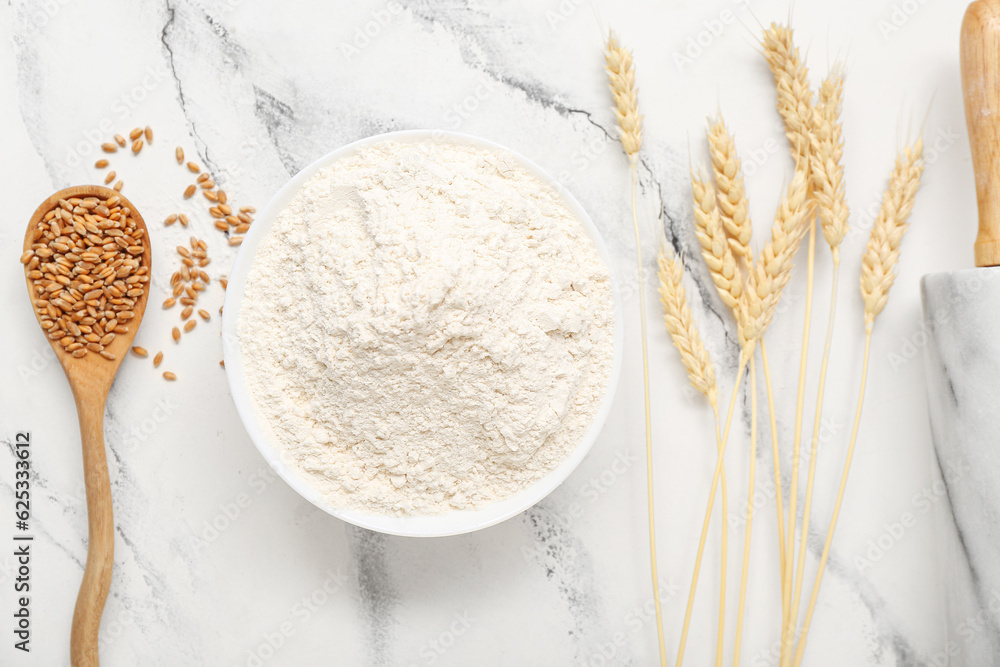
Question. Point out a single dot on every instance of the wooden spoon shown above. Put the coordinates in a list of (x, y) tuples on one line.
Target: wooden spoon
[(90, 378)]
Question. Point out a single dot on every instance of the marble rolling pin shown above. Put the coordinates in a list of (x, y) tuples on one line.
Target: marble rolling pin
[(962, 318)]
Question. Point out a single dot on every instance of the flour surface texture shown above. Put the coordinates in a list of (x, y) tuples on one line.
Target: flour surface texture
[(426, 327)]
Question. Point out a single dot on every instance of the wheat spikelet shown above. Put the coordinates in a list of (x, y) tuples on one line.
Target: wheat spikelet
[(882, 253), (681, 327), (733, 204), (773, 267), (621, 79), (827, 170), (791, 81), (714, 244)]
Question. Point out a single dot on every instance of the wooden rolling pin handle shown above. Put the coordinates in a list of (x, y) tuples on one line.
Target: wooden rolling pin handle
[(101, 537), (981, 86)]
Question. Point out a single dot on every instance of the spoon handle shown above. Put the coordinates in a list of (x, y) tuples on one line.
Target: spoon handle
[(101, 535)]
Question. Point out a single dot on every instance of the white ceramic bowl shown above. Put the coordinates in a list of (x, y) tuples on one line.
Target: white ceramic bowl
[(451, 523)]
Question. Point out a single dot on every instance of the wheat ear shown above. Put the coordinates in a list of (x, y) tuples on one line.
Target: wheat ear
[(791, 81), (773, 267), (621, 80), (825, 159), (680, 325), (714, 245), (877, 276), (701, 373), (733, 203), (879, 262)]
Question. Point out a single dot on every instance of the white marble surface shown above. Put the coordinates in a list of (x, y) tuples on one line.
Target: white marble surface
[(257, 92)]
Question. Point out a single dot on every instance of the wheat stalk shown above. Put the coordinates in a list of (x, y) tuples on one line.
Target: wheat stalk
[(733, 203), (882, 253), (621, 80), (827, 171), (714, 244), (877, 276), (751, 488)]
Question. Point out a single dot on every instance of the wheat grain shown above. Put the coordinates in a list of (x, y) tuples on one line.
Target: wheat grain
[(773, 267), (791, 81), (621, 79), (733, 204), (714, 244), (681, 327), (825, 161), (879, 262)]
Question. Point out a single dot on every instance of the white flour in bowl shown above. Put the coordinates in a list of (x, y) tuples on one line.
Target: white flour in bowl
[(426, 327)]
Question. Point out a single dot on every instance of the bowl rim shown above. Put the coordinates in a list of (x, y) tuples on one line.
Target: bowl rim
[(454, 522)]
